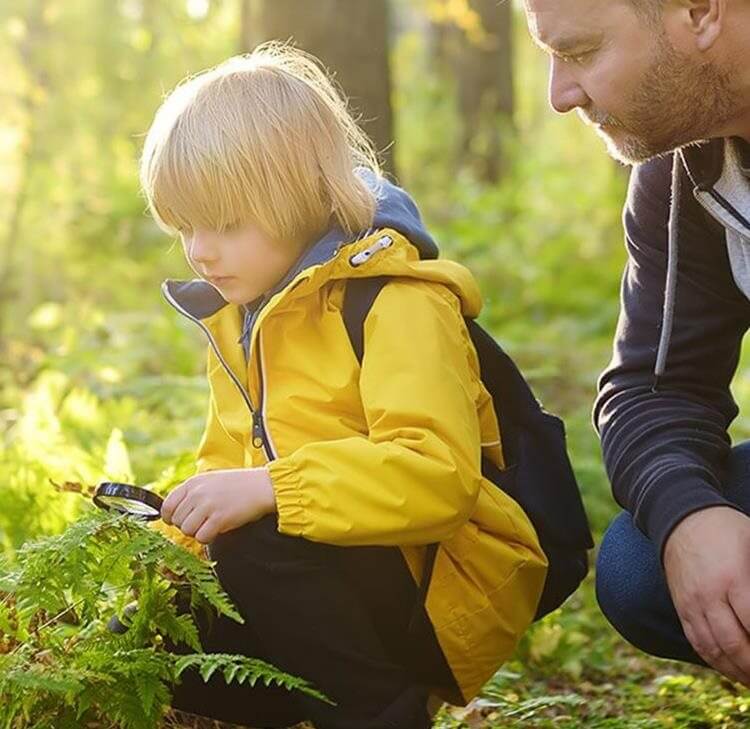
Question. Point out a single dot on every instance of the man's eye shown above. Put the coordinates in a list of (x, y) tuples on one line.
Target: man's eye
[(578, 58)]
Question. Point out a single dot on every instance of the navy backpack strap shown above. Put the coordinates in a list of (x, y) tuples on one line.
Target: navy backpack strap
[(359, 297)]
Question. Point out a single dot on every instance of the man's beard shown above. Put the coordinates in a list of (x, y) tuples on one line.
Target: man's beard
[(677, 102)]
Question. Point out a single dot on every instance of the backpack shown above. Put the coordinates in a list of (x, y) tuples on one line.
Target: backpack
[(538, 474)]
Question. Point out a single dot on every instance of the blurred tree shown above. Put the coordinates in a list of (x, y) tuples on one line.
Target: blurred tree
[(472, 42), (82, 82), (485, 87), (351, 39), (26, 39)]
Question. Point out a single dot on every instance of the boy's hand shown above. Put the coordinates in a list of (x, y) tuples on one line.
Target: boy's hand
[(218, 501)]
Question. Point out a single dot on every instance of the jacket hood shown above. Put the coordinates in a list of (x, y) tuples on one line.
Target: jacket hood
[(395, 211), (703, 162)]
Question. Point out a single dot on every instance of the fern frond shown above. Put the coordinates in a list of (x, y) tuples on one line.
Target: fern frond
[(242, 668)]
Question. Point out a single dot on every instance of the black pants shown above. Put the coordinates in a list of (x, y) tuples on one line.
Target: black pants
[(335, 616)]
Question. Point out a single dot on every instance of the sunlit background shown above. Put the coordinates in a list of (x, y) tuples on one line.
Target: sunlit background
[(100, 379)]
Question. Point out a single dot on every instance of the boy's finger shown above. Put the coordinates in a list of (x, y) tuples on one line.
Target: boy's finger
[(208, 530), (173, 500), (193, 521), (183, 510)]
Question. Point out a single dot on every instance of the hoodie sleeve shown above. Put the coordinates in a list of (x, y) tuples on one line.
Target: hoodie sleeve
[(416, 477), (666, 451)]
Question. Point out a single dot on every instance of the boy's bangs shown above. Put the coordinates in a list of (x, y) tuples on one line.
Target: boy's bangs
[(263, 139), (190, 191)]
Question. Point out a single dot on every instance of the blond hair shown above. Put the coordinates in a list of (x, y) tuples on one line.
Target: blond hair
[(263, 137)]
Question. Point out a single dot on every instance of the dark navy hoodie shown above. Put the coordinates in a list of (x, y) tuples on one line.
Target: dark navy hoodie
[(664, 402)]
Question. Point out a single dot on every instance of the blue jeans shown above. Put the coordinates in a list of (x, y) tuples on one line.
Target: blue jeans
[(630, 584)]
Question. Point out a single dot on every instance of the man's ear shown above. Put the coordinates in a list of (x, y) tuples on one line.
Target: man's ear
[(704, 19)]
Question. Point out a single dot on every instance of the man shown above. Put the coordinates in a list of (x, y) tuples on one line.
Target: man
[(666, 83)]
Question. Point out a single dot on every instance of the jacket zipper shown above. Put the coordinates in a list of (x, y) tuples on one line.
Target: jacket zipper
[(259, 435), (260, 431)]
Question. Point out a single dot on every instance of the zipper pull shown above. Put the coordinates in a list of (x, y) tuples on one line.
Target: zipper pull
[(363, 256), (257, 430)]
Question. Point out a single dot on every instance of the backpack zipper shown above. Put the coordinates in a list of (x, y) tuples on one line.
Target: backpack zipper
[(259, 435)]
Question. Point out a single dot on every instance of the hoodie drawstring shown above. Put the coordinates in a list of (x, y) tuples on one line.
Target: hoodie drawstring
[(670, 288)]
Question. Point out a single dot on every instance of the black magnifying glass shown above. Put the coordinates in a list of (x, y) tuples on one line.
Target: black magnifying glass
[(128, 499)]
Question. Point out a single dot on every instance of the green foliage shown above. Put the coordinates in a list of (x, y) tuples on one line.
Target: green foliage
[(59, 664), (99, 380), (63, 431)]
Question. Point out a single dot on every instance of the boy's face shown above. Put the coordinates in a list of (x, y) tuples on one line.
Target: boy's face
[(242, 263)]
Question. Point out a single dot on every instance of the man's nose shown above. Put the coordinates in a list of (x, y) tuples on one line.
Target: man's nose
[(565, 93)]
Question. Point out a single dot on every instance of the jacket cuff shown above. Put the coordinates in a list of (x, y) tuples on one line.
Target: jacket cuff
[(671, 501), (290, 501)]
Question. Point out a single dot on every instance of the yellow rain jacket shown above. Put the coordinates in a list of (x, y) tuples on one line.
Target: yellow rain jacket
[(383, 454)]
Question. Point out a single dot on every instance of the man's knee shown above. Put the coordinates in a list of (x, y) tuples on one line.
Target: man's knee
[(629, 582), (738, 476)]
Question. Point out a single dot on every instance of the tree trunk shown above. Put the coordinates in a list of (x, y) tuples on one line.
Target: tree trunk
[(351, 40), (485, 88)]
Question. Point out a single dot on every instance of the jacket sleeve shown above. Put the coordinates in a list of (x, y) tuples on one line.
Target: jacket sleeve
[(666, 451), (416, 478)]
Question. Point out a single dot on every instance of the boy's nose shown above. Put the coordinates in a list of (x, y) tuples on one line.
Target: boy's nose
[(199, 248)]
